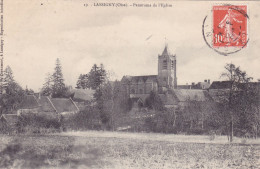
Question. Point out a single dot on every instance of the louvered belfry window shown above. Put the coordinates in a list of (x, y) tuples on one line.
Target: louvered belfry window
[(164, 64), (172, 64)]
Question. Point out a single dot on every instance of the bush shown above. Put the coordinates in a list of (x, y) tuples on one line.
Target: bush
[(86, 119), (34, 123)]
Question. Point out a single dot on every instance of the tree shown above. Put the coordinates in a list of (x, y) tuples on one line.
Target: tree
[(96, 77), (47, 86), (58, 86), (13, 93), (82, 81), (79, 82), (236, 77), (8, 75), (248, 106)]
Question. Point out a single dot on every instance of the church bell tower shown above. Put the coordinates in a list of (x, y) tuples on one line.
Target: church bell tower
[(167, 70)]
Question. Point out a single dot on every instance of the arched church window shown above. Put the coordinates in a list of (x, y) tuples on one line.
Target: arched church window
[(164, 64)]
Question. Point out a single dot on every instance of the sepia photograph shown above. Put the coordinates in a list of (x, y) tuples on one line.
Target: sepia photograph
[(129, 84)]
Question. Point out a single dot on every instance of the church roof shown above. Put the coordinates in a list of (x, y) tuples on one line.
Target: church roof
[(135, 79), (165, 51)]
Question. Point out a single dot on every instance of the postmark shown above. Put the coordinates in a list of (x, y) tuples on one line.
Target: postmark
[(226, 30)]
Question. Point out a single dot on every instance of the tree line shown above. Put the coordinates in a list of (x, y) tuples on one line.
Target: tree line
[(236, 111)]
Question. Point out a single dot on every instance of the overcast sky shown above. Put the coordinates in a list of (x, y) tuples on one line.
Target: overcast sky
[(126, 40)]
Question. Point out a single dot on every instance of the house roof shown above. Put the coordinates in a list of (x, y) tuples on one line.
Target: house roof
[(11, 119), (83, 94), (64, 105), (45, 104), (191, 94), (220, 85), (227, 85), (29, 102)]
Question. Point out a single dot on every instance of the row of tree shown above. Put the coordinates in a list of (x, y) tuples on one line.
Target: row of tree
[(237, 110), (13, 94), (110, 100)]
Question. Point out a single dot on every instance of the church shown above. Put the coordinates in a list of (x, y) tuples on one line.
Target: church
[(165, 79), (138, 88)]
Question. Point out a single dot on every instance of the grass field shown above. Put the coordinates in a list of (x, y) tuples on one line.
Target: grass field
[(126, 150)]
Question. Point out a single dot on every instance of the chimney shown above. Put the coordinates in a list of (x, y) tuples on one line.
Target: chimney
[(205, 80), (39, 95), (208, 81)]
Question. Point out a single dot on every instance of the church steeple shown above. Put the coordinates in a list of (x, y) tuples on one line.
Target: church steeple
[(167, 70), (165, 51)]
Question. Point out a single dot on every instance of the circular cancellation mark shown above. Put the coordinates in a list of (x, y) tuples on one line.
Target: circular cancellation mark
[(225, 30)]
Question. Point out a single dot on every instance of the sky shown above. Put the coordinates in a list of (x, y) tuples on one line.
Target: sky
[(126, 40)]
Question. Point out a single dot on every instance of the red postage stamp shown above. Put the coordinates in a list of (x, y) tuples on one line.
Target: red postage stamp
[(230, 26)]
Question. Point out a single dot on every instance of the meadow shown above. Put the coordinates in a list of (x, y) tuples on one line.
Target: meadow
[(99, 149)]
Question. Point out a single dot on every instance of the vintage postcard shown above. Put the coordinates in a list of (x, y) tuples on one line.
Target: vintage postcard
[(129, 84)]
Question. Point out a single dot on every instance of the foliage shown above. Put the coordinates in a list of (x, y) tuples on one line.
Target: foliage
[(84, 120), (96, 80), (58, 86), (82, 81), (54, 85), (35, 123), (154, 102), (47, 86), (13, 93), (231, 103), (96, 76)]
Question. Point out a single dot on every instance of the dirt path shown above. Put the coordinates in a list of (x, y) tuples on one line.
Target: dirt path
[(162, 137)]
